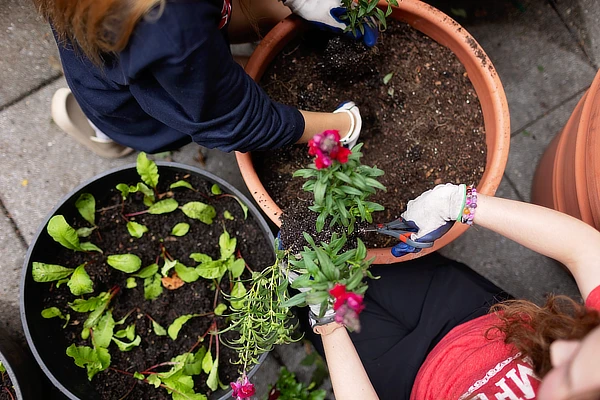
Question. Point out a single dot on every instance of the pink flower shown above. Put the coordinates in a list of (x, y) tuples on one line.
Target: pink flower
[(347, 306), (348, 317), (242, 388), (326, 148)]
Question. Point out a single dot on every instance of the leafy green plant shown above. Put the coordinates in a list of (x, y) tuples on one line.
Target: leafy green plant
[(287, 387), (363, 12), (77, 279), (261, 317), (341, 191), (322, 269), (102, 332)]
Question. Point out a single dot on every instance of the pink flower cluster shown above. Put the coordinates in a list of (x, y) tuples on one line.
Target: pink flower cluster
[(347, 306), (326, 148), (242, 388)]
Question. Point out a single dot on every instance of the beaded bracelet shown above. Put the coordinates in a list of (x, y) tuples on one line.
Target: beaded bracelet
[(468, 212)]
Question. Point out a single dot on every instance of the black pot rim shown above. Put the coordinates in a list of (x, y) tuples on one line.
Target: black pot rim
[(8, 365), (165, 164)]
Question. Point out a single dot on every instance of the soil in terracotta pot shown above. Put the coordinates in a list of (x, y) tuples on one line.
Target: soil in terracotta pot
[(7, 392), (193, 298), (424, 127)]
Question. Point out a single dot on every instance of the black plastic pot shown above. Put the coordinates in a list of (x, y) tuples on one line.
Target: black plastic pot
[(48, 349), (24, 374)]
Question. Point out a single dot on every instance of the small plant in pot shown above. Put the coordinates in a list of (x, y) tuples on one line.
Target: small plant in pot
[(129, 286)]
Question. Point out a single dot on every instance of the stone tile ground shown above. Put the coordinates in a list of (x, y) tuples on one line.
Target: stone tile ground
[(546, 53)]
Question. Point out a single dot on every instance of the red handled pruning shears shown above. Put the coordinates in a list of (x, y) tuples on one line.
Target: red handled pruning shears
[(401, 230)]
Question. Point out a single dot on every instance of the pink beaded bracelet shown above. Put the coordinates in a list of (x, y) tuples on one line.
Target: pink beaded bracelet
[(468, 212)]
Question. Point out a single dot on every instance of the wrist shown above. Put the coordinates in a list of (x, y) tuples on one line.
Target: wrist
[(327, 329), (468, 212)]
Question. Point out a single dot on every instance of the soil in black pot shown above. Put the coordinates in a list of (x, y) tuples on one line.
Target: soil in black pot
[(191, 298), (7, 392), (424, 127)]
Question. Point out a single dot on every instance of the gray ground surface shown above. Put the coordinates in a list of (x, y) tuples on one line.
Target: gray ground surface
[(546, 53)]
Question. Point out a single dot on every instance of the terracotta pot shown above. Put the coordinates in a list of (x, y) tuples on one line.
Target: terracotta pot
[(567, 177), (482, 74)]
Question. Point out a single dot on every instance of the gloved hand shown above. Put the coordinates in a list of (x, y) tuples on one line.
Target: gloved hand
[(433, 213), (326, 15)]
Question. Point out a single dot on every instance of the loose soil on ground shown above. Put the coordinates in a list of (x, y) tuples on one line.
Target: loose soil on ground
[(423, 127), (193, 298)]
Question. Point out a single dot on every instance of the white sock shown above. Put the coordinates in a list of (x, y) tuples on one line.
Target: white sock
[(101, 137)]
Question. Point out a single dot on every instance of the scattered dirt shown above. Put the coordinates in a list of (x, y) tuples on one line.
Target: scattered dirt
[(193, 298), (424, 127), (7, 392)]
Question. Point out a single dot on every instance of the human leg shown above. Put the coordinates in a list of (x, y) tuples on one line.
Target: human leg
[(409, 310), (68, 116)]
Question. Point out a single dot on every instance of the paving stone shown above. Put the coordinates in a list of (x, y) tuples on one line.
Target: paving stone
[(583, 19), (529, 144), (538, 62), (266, 376), (29, 54), (11, 263), (40, 163), (514, 268)]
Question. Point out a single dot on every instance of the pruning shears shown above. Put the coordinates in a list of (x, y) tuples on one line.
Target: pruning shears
[(401, 230)]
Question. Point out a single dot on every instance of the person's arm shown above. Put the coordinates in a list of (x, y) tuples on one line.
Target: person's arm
[(548, 232), (551, 233), (347, 373), (182, 73)]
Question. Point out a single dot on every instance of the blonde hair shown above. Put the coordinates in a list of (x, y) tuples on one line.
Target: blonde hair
[(97, 26)]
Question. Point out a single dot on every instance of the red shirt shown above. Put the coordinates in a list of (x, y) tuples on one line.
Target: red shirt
[(467, 365)]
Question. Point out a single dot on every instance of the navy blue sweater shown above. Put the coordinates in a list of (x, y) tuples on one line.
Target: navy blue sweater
[(175, 82)]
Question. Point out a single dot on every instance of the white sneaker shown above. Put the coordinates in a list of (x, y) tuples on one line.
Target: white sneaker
[(355, 126), (69, 117)]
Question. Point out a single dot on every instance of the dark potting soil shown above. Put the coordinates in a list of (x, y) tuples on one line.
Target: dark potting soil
[(7, 392), (192, 298), (424, 127)]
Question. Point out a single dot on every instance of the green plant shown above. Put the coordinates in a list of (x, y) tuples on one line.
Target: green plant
[(287, 387), (323, 270), (261, 317), (101, 330), (363, 12), (341, 190)]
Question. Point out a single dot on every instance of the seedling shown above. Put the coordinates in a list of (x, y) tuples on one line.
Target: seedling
[(101, 332), (365, 12)]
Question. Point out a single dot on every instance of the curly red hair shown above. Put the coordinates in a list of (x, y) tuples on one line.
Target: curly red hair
[(532, 329)]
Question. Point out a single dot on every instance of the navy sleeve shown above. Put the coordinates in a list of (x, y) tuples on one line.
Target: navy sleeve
[(182, 73)]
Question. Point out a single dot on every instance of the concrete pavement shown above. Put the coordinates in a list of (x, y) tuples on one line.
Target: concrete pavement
[(546, 53)]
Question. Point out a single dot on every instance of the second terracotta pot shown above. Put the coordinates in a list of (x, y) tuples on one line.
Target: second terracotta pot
[(482, 74), (567, 178)]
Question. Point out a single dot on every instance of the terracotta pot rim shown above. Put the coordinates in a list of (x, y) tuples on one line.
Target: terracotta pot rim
[(482, 73)]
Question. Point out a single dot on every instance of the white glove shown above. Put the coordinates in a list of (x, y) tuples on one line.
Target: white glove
[(434, 208), (317, 12)]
